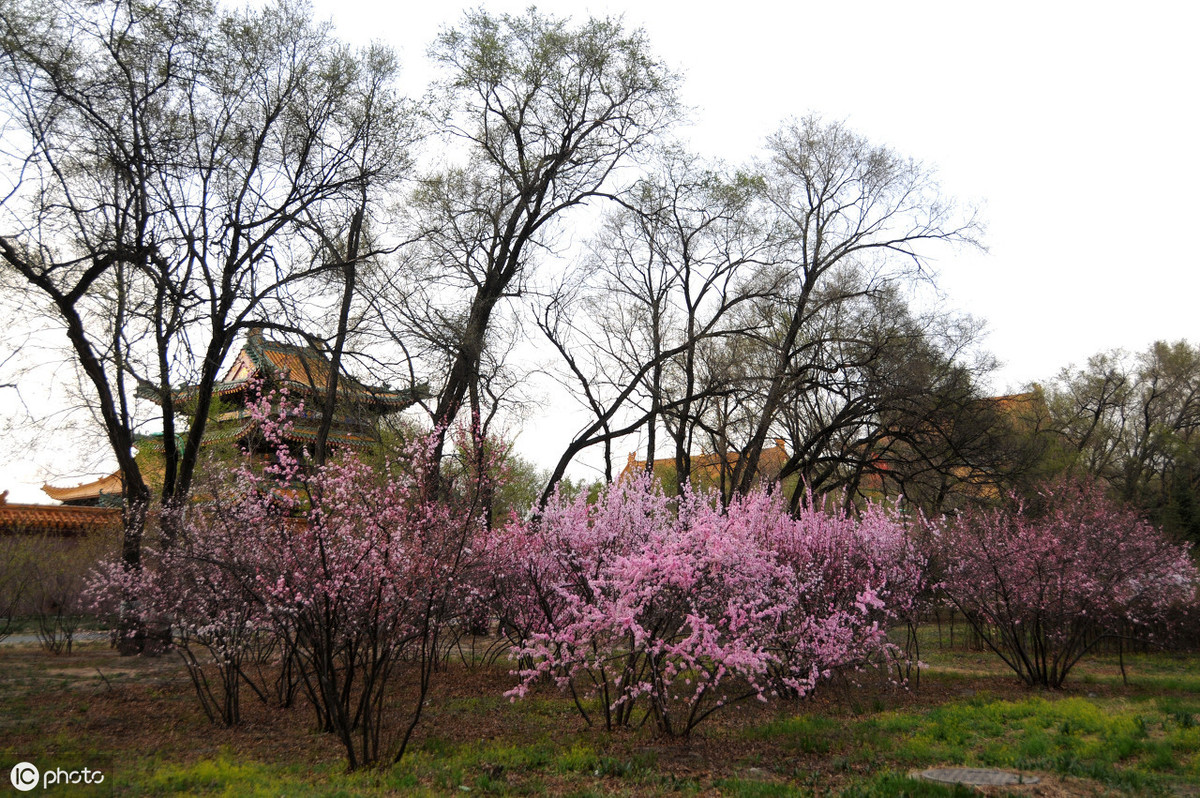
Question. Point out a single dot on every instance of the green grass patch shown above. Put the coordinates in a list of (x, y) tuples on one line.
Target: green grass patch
[(228, 774), (1107, 742), (809, 734), (750, 788), (891, 785)]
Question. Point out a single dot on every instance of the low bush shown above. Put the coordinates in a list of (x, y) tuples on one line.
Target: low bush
[(662, 609), (1042, 588)]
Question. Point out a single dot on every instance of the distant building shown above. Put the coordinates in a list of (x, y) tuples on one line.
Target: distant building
[(55, 519), (103, 492), (303, 372), (708, 468), (967, 453), (266, 365)]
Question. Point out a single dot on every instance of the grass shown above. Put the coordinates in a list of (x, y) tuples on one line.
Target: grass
[(1099, 736)]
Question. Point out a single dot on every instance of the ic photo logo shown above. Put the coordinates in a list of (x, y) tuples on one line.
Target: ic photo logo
[(24, 776)]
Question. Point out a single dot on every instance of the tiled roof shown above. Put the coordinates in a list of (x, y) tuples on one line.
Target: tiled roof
[(1016, 404), (307, 368), (308, 434), (86, 491), (301, 369), (55, 519)]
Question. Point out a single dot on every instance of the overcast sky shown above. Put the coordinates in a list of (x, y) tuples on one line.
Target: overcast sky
[(1072, 125)]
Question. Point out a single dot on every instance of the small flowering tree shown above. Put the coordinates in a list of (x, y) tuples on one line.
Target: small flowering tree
[(369, 573), (1041, 589), (197, 586), (684, 609), (356, 574)]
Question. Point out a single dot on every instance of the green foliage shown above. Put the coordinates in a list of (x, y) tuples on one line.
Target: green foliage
[(1133, 421), (891, 785), (810, 734), (520, 488)]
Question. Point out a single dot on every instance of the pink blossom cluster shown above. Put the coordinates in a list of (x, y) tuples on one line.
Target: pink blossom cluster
[(1043, 587), (350, 570), (856, 576), (680, 607), (202, 584)]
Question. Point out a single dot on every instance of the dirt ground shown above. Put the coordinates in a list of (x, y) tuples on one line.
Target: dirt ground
[(144, 710)]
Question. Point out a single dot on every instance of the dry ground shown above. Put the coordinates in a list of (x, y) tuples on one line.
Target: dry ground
[(139, 716)]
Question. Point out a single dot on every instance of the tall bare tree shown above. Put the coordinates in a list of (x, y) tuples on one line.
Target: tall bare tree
[(543, 114), (847, 207), (668, 274), (167, 151)]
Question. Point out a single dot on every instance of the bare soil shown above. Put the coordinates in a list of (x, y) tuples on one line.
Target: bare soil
[(136, 709)]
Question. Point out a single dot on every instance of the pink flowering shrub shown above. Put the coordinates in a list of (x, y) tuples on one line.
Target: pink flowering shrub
[(678, 609), (370, 577), (856, 579), (1041, 589), (357, 575), (215, 619)]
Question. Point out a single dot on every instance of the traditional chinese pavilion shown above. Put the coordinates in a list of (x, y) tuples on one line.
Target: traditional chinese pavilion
[(103, 492), (266, 365), (303, 372)]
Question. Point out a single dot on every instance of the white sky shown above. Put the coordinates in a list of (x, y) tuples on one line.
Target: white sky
[(1074, 125)]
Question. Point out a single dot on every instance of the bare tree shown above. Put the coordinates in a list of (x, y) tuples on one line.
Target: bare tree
[(170, 150), (385, 132), (846, 207), (669, 273), (734, 309), (544, 113), (80, 84), (894, 408)]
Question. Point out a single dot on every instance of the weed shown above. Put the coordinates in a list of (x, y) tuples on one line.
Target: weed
[(579, 758), (750, 788), (809, 734), (890, 785)]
